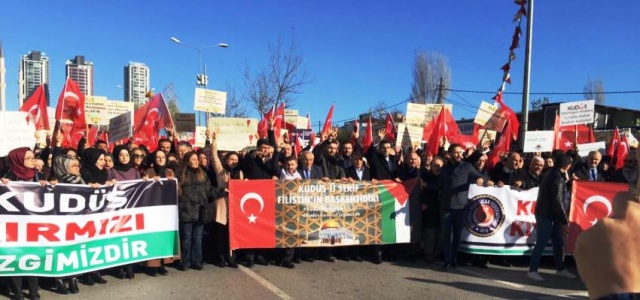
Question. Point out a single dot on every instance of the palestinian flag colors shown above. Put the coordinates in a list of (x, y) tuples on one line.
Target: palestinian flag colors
[(314, 213)]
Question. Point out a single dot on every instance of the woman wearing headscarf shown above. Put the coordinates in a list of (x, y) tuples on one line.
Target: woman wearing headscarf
[(94, 174), (157, 170), (67, 170), (123, 170), (194, 192), (224, 171), (21, 163)]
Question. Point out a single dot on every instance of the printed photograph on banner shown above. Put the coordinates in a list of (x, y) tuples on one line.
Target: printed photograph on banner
[(18, 131), (315, 213), (234, 134), (577, 112), (538, 141), (210, 101)]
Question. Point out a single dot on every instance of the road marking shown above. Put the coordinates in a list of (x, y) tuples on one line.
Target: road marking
[(511, 284), (274, 289)]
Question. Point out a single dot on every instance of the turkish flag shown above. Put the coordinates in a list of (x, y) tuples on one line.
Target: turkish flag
[(263, 125), (622, 152), (149, 119), (445, 126), (297, 146), (502, 146), (509, 115), (390, 127), (70, 114), (92, 136), (36, 106), (279, 121), (590, 202), (367, 139), (252, 213), (614, 143), (328, 121), (470, 141)]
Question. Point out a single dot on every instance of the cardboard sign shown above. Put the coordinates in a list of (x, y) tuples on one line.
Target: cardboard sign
[(409, 135), (577, 112), (98, 110), (210, 101), (489, 116), (185, 122), (584, 149), (538, 141), (234, 134), (421, 114), (201, 136), (17, 131), (120, 127)]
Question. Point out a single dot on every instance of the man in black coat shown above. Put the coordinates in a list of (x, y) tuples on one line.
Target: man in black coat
[(307, 169), (384, 166), (358, 170), (551, 218), (532, 176), (590, 170), (509, 173)]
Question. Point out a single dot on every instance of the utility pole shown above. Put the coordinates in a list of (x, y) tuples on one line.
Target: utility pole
[(524, 117), (440, 88)]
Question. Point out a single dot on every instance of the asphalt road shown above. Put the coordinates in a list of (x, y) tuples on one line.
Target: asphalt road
[(340, 280)]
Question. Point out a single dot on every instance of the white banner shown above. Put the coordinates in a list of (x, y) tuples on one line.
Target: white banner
[(576, 113), (538, 141), (120, 127), (98, 110), (210, 101), (499, 221), (409, 135), (201, 136), (17, 131), (421, 114)]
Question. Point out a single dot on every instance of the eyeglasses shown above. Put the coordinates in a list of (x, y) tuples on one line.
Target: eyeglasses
[(138, 156)]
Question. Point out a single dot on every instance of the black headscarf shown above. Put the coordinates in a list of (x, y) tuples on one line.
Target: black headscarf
[(89, 171), (158, 169), (116, 159)]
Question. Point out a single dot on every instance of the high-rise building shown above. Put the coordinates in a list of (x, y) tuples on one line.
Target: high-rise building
[(3, 81), (81, 71), (34, 71), (136, 83)]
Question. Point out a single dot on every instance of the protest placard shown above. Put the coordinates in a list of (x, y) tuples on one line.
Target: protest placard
[(120, 127), (18, 131), (538, 141), (210, 101), (409, 135), (98, 110), (234, 134), (577, 112), (201, 137), (584, 149), (421, 114), (185, 122)]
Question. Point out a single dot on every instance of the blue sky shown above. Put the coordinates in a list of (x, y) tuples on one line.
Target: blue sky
[(357, 53)]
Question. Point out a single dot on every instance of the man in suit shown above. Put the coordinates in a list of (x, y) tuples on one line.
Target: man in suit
[(358, 171), (509, 173), (590, 169), (307, 169)]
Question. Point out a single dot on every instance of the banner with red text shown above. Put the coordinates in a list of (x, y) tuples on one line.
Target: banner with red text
[(314, 213), (62, 230), (590, 202), (500, 221)]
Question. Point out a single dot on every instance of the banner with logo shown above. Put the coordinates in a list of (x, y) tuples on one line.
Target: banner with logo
[(62, 230), (577, 112), (314, 213), (590, 202), (499, 221)]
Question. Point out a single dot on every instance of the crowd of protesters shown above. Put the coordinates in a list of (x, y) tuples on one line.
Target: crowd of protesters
[(203, 179)]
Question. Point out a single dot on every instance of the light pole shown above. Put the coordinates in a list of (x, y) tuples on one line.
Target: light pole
[(201, 78)]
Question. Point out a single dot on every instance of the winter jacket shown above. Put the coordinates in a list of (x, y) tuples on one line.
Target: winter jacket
[(192, 195), (553, 186)]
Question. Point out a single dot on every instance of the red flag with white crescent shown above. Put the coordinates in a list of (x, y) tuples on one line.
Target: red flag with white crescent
[(328, 121), (590, 202), (70, 114), (252, 214), (149, 119), (36, 106)]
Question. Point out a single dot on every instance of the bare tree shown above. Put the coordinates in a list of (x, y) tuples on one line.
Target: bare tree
[(171, 99), (429, 70), (594, 90), (380, 110), (235, 107), (537, 104), (279, 82)]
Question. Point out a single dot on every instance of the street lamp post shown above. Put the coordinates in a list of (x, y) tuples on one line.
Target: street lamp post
[(201, 77)]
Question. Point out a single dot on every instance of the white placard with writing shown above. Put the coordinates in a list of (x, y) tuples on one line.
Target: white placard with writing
[(577, 112), (538, 141), (120, 127), (584, 149), (409, 135), (201, 136), (210, 101), (234, 134), (421, 114), (17, 131)]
